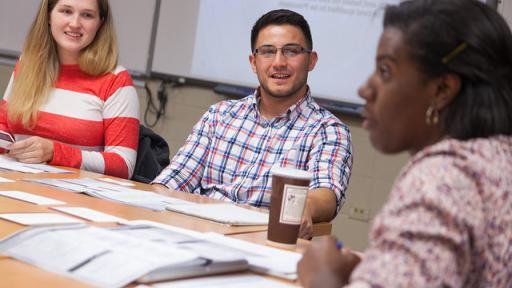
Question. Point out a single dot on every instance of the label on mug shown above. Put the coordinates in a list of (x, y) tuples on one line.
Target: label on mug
[(294, 198)]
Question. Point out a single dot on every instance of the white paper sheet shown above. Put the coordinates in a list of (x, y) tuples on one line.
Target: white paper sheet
[(47, 168), (32, 219), (223, 213), (9, 163), (225, 281), (118, 182), (89, 214), (19, 168), (28, 197), (60, 183), (5, 180), (261, 258)]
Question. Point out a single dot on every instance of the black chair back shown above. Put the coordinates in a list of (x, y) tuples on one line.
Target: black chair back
[(152, 155)]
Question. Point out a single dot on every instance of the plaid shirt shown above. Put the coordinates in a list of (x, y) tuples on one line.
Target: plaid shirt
[(232, 150)]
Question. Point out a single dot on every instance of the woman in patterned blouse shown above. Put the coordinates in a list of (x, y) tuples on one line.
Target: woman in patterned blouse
[(442, 90)]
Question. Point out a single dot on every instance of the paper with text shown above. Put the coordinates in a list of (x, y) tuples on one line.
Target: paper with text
[(114, 257)]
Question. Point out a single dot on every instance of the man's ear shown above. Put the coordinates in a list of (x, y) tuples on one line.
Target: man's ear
[(313, 58), (448, 87), (252, 60)]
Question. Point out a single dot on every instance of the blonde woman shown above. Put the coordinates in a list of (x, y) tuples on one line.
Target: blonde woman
[(68, 103)]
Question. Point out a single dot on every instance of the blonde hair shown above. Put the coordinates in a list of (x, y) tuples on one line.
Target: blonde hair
[(38, 67)]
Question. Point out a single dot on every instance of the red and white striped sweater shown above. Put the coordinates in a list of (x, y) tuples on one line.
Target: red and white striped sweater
[(93, 120)]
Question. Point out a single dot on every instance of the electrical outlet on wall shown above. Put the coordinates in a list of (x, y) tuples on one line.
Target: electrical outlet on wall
[(358, 213)]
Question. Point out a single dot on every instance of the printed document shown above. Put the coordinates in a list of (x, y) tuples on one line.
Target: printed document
[(114, 257)]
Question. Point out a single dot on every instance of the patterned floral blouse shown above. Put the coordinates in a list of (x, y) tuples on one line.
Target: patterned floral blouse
[(447, 222)]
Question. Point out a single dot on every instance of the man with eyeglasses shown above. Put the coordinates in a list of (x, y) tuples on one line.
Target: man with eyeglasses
[(234, 146)]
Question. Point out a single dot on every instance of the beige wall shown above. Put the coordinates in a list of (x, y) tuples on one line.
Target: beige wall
[(5, 75), (505, 8)]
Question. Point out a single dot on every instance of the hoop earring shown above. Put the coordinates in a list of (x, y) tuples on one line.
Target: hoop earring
[(432, 116)]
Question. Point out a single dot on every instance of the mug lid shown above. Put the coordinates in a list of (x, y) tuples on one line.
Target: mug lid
[(292, 173)]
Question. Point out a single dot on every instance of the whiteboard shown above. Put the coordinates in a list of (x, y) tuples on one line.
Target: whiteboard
[(133, 20), (210, 40)]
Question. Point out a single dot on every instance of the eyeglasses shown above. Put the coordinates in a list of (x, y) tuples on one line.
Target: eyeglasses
[(289, 51)]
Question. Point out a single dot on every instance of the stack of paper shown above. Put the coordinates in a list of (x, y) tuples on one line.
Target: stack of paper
[(262, 259), (114, 257), (113, 192)]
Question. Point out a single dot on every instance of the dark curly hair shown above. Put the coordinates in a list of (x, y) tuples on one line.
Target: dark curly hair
[(281, 17)]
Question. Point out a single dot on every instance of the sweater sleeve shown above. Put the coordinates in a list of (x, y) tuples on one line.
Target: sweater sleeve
[(121, 134)]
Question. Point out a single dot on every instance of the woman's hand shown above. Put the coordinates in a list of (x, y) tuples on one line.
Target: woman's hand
[(324, 265), (32, 150)]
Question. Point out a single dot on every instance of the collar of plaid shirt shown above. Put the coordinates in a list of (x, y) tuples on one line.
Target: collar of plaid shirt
[(292, 112)]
